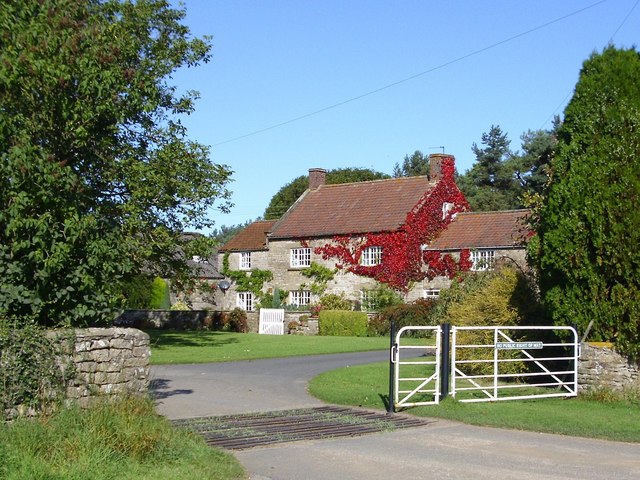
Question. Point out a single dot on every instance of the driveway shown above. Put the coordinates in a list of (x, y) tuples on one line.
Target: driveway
[(443, 449)]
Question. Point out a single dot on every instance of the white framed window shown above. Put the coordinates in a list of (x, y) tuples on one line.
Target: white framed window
[(368, 300), (300, 257), (482, 260), (245, 301), (431, 293), (300, 298), (245, 260), (371, 256)]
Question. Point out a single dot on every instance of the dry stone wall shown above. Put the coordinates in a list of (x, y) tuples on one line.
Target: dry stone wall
[(603, 367), (108, 361)]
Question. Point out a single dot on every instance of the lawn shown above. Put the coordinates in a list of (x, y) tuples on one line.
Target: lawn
[(367, 386), (173, 347)]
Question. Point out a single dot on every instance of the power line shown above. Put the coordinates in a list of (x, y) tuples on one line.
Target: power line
[(413, 77), (624, 21), (564, 100)]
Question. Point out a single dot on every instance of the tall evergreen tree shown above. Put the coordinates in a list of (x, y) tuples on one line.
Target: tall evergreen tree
[(589, 226), (530, 168), (489, 184), (412, 166)]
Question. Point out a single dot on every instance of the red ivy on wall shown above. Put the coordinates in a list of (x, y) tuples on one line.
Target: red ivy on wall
[(403, 260), (445, 265)]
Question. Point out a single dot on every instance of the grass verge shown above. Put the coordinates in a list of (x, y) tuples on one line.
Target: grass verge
[(367, 386), (123, 440), (172, 347)]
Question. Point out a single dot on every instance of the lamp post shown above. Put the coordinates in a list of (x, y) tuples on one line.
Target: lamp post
[(224, 285)]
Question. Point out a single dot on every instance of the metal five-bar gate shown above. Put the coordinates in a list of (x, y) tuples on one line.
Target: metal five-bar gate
[(479, 364), (416, 369)]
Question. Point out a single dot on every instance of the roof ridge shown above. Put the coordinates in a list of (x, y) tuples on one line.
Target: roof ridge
[(327, 185), (486, 212)]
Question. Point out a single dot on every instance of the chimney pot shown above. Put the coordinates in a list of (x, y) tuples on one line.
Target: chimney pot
[(317, 177)]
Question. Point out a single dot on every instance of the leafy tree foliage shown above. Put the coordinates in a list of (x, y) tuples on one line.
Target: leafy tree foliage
[(288, 194), (97, 177), (412, 166), (589, 226)]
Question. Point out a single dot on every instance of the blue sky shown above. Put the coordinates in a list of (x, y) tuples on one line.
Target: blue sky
[(298, 84)]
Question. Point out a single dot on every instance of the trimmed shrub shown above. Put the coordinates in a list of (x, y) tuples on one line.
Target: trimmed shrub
[(237, 321), (137, 292), (342, 323), (334, 302), (406, 314), (159, 295)]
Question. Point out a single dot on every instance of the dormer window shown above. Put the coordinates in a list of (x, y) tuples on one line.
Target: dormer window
[(245, 260), (371, 256)]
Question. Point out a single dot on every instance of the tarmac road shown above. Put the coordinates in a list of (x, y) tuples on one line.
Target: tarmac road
[(441, 450)]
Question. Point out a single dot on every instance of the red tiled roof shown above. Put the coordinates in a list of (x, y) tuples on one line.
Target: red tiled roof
[(483, 230), (254, 237), (352, 208)]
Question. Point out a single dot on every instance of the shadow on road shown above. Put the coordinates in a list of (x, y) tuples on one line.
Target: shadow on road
[(160, 389)]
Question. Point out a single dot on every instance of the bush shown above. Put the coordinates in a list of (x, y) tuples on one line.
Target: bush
[(159, 295), (379, 298), (498, 298), (406, 314), (237, 321), (137, 292), (31, 376), (333, 302), (342, 323)]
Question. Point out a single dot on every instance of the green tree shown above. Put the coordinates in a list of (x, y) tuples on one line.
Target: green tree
[(97, 178), (530, 168), (489, 184), (288, 194), (412, 166), (589, 227)]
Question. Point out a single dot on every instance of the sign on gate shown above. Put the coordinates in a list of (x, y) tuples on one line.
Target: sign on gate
[(519, 345), (417, 372), (271, 321), (491, 363)]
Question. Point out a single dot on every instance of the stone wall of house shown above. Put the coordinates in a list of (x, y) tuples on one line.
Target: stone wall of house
[(507, 256), (259, 260), (602, 367), (108, 361), (287, 278)]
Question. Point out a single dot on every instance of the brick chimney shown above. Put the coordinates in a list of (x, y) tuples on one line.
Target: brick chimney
[(317, 177), (435, 165)]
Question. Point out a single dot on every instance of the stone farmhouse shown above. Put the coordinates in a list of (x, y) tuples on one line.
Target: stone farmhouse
[(349, 239)]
